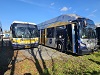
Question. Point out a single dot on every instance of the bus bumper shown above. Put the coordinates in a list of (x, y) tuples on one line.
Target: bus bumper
[(84, 51), (18, 46), (35, 45), (22, 46)]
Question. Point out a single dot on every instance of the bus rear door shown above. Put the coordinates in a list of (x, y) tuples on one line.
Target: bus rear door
[(43, 36)]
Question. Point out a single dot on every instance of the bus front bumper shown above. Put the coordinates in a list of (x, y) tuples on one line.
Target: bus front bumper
[(84, 51), (18, 46), (34, 45), (22, 46)]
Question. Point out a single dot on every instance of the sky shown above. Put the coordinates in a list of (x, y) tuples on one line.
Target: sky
[(38, 11)]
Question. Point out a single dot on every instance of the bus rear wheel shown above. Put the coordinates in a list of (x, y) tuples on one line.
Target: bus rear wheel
[(60, 47)]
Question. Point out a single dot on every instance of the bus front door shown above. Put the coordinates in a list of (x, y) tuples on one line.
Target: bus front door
[(76, 37), (98, 35), (72, 38)]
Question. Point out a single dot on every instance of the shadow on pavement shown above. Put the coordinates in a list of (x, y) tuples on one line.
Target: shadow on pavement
[(52, 61), (42, 71), (13, 63), (6, 54), (37, 64)]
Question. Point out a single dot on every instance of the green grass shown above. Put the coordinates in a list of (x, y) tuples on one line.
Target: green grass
[(77, 65)]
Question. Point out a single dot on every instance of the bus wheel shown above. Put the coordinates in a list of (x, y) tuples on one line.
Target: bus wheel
[(59, 47)]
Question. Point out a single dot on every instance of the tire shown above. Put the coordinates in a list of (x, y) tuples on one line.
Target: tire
[(60, 47)]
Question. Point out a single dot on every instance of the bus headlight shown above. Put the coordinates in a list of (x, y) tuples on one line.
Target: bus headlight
[(82, 45)]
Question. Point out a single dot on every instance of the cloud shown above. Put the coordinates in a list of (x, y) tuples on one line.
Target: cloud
[(94, 11), (52, 4), (92, 15), (64, 9)]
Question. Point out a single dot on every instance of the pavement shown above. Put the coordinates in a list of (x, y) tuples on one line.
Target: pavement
[(42, 52), (9, 57)]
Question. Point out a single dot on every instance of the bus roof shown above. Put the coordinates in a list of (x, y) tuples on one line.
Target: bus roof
[(61, 18), (58, 24), (24, 22)]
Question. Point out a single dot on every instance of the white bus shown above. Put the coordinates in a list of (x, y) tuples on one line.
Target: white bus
[(24, 34)]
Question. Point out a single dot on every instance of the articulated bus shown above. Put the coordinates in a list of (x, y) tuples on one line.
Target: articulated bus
[(98, 34), (23, 35), (69, 33)]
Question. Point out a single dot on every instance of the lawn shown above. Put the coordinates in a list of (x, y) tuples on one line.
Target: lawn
[(78, 65)]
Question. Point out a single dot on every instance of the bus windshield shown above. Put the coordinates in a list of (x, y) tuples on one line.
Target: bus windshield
[(25, 31), (88, 33), (89, 22), (88, 29)]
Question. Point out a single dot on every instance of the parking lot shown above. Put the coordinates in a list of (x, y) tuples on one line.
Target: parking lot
[(10, 59)]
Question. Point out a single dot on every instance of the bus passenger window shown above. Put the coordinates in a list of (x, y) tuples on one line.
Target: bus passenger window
[(50, 32), (60, 32)]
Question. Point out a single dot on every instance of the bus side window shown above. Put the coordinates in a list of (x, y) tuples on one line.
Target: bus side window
[(50, 32), (60, 32)]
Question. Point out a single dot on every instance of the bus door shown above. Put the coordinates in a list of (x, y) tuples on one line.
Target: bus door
[(39, 36), (76, 37), (69, 37), (98, 35), (43, 36), (50, 39)]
